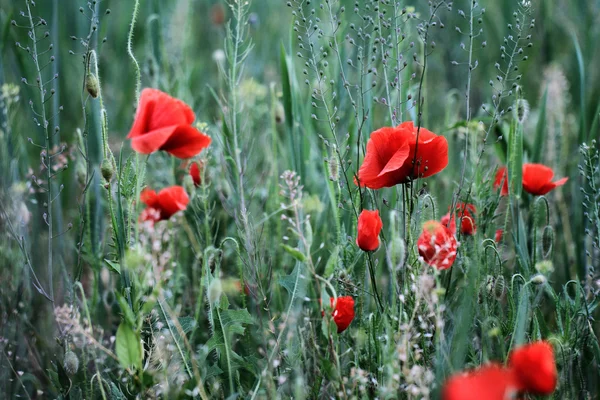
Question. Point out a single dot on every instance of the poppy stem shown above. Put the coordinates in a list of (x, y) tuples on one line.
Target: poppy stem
[(374, 281)]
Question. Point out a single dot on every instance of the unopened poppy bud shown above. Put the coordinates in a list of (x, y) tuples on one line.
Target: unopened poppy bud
[(539, 279), (215, 289), (71, 363), (547, 240), (279, 113), (91, 85), (499, 287), (107, 170)]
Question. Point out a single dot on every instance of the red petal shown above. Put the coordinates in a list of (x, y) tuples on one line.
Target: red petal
[(490, 382), (397, 160), (536, 177), (433, 156), (185, 142), (172, 200), (149, 198), (158, 110), (195, 173), (534, 368)]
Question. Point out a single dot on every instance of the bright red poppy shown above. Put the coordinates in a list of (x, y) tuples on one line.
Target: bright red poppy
[(467, 222), (165, 123), (343, 312), (534, 368), (489, 382), (437, 245), (392, 151), (537, 179), (369, 227), (195, 173), (162, 205), (498, 236), (501, 179)]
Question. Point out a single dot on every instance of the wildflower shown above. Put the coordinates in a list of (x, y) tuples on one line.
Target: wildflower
[(537, 179), (343, 312), (164, 123), (501, 179), (489, 382), (437, 245), (534, 368), (195, 173), (498, 236), (467, 219), (394, 155), (162, 205), (369, 226)]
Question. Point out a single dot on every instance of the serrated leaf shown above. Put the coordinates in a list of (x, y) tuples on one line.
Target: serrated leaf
[(116, 393), (113, 266), (128, 346), (294, 283), (294, 252)]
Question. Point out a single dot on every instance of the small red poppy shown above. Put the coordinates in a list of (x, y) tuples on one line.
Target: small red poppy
[(437, 245), (343, 312), (369, 227), (195, 173), (489, 382), (467, 221), (501, 179), (498, 236), (537, 179), (534, 368), (391, 152), (164, 123), (162, 205)]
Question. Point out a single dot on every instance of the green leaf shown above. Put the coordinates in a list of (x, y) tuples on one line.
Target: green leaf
[(294, 283), (128, 346), (332, 262), (114, 266), (540, 131), (294, 252)]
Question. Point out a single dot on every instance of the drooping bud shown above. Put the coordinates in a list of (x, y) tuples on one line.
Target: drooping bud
[(71, 363), (91, 85), (279, 113), (107, 169), (215, 289)]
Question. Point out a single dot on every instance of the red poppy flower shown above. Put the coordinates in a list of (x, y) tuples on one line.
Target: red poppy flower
[(369, 226), (490, 382), (195, 173), (501, 179), (537, 179), (391, 152), (164, 204), (343, 313), (164, 123), (534, 368), (467, 221), (499, 234), (437, 245)]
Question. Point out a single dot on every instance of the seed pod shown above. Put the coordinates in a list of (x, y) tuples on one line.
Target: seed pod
[(71, 363), (91, 85)]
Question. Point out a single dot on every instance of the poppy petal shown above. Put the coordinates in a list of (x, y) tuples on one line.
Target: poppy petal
[(397, 160), (433, 155), (186, 142), (172, 200), (152, 141), (149, 198)]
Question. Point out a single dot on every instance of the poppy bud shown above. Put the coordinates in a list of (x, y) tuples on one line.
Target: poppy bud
[(539, 279), (91, 85), (369, 227), (499, 287), (547, 240), (534, 368), (71, 363), (215, 289), (279, 113), (107, 170)]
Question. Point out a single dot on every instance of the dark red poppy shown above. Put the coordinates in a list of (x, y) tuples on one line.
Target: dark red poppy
[(501, 179), (391, 152), (162, 205), (498, 236), (489, 382), (437, 245), (534, 368), (466, 214), (537, 179), (195, 173), (165, 123), (369, 226), (343, 312)]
